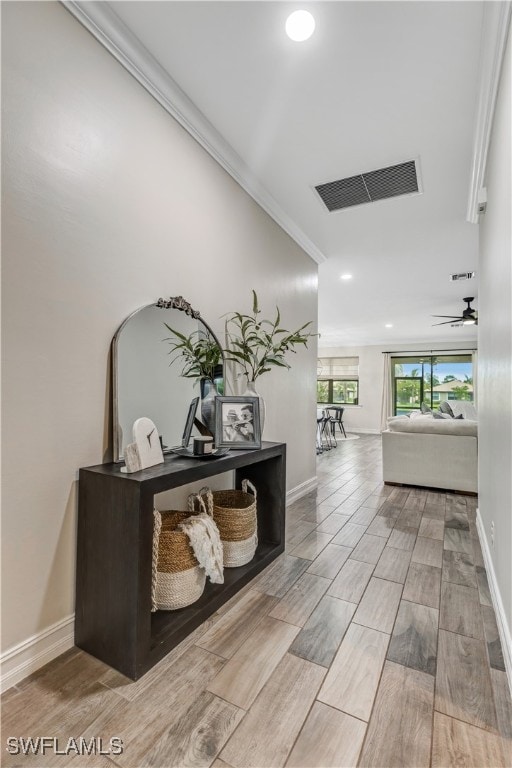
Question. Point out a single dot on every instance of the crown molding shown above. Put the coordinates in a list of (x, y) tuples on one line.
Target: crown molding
[(496, 22), (101, 21)]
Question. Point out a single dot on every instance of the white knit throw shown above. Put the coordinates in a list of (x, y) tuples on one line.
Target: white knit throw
[(205, 540)]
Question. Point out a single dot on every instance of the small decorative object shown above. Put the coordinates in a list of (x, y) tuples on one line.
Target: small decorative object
[(146, 449), (234, 513), (202, 445), (185, 440), (238, 422), (201, 357), (256, 345)]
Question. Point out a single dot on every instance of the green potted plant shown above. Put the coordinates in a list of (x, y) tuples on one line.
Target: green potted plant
[(257, 345), (200, 356)]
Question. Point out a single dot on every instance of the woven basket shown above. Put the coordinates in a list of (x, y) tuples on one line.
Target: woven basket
[(178, 580), (234, 512)]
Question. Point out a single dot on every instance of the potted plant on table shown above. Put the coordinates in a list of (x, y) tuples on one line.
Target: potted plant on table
[(200, 356), (256, 345)]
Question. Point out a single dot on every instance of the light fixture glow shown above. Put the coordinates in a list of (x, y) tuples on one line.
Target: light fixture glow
[(300, 25), (469, 321), (388, 325), (346, 277)]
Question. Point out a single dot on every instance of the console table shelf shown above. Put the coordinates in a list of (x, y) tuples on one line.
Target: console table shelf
[(115, 532)]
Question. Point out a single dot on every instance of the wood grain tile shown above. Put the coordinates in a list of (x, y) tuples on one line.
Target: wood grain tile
[(460, 610), (410, 518), (379, 605), (263, 739), (388, 509), (245, 674), (458, 744), (503, 706), (296, 533), (369, 549), (329, 561), (428, 552), (319, 513), (393, 564), (434, 511), (312, 545), (399, 496), (492, 638), (333, 523), (228, 634), (483, 586), (399, 731), (431, 529), (456, 519), (197, 736), (349, 534), (220, 764), (381, 526), (402, 537), (423, 585), (414, 639), (352, 680), (458, 541), (321, 636), (351, 581), (463, 684), (416, 501), (298, 603), (458, 568), (363, 516), (330, 739), (281, 575)]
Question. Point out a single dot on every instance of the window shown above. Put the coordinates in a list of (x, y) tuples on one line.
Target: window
[(338, 381), (429, 380)]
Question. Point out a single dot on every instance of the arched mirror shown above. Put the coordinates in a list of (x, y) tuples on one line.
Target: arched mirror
[(144, 382)]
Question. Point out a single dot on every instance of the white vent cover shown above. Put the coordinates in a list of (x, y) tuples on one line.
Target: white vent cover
[(371, 186), (462, 276)]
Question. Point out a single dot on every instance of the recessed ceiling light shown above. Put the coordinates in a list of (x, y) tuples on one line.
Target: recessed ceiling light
[(388, 325), (346, 277), (300, 25)]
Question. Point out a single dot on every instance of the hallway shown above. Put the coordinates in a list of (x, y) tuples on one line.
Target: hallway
[(371, 642)]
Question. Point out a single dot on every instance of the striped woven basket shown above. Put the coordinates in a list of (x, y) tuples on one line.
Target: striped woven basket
[(177, 580), (234, 512)]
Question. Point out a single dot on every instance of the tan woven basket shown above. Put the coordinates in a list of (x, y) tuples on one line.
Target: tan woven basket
[(178, 580), (234, 512)]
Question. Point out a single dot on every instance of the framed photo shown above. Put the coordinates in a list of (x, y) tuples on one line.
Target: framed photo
[(237, 422)]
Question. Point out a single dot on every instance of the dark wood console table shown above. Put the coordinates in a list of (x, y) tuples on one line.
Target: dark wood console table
[(115, 531)]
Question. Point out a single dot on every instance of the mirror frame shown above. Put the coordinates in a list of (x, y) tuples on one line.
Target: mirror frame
[(174, 302)]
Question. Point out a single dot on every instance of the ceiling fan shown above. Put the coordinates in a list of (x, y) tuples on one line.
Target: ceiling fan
[(469, 315)]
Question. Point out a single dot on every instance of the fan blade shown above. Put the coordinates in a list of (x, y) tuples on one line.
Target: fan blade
[(455, 318), (448, 322)]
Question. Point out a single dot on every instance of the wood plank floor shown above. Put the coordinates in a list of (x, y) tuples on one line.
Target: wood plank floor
[(371, 642)]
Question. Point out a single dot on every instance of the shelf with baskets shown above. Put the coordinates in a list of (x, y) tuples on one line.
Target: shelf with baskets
[(113, 620)]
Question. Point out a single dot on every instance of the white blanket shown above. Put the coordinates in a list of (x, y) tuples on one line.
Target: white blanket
[(205, 540)]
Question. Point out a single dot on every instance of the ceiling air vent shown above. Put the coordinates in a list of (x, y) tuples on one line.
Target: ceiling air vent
[(367, 187), (462, 276)]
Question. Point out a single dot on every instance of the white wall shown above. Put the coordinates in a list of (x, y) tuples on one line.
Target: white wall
[(108, 205), (495, 350), (367, 416)]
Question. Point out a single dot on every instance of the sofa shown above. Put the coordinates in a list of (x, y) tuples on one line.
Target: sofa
[(431, 452)]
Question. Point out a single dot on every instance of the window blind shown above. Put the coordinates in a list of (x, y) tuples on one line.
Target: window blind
[(339, 368)]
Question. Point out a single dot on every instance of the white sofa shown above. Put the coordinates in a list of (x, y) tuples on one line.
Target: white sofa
[(436, 453)]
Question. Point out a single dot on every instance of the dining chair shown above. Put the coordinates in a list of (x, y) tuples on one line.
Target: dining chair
[(336, 419)]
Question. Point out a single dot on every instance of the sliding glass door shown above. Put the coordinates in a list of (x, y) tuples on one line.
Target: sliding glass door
[(428, 380)]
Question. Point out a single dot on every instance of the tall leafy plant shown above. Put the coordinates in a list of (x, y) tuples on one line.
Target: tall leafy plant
[(256, 345), (199, 355)]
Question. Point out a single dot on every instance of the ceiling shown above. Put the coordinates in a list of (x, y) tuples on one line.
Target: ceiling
[(379, 83)]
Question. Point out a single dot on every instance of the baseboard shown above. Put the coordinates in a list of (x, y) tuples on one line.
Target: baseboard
[(28, 656), (501, 619), (301, 490), (362, 431)]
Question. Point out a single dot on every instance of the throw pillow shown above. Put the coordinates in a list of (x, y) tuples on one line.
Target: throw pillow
[(438, 415), (425, 408), (445, 408)]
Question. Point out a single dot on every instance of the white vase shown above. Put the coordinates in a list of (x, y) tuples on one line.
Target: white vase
[(251, 392), (208, 408)]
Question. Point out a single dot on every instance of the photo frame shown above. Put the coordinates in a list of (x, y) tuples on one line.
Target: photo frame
[(185, 440), (237, 422)]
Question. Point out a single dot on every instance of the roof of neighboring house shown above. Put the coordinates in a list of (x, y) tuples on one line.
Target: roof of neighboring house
[(449, 386)]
